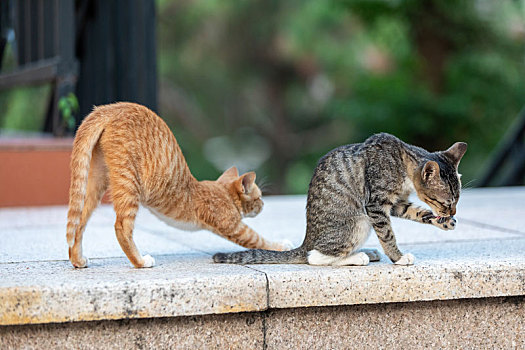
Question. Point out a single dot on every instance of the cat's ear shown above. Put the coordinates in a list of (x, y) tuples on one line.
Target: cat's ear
[(456, 152), (245, 183), (229, 174), (430, 171)]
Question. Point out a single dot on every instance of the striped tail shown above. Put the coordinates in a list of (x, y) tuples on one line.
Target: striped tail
[(261, 256), (86, 138)]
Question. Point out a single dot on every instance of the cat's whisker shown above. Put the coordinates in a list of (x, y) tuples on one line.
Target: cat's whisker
[(469, 185), (264, 184)]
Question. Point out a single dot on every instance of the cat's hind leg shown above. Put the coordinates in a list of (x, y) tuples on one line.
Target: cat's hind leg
[(315, 257), (96, 187), (338, 244), (126, 209), (355, 259)]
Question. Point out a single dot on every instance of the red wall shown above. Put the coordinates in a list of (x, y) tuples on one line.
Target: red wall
[(34, 171)]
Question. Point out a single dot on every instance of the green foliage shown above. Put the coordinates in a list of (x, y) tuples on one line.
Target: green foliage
[(23, 109), (308, 76), (274, 85), (68, 106)]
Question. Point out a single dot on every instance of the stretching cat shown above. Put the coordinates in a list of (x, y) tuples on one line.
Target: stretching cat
[(357, 187), (130, 149)]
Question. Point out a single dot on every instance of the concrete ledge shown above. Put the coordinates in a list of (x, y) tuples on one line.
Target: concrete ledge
[(483, 258), (489, 323), (187, 285), (437, 275), (181, 286)]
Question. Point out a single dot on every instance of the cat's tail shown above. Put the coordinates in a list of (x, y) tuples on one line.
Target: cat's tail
[(261, 256), (86, 138)]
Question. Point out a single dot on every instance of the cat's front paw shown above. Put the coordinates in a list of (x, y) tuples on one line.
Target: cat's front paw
[(406, 259), (149, 261), (445, 222)]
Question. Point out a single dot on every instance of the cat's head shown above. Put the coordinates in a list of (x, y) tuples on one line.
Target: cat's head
[(245, 193), (438, 183)]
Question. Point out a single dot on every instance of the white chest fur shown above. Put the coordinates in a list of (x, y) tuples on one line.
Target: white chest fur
[(181, 225), (407, 187)]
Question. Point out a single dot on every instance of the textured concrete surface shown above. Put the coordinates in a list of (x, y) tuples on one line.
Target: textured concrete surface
[(446, 271), (458, 324), (181, 285), (483, 257), (489, 323), (230, 331)]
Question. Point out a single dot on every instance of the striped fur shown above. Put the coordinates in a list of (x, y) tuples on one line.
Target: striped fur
[(128, 149), (358, 187)]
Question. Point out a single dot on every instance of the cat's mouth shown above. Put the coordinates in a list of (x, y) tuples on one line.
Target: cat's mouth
[(441, 214), (438, 212)]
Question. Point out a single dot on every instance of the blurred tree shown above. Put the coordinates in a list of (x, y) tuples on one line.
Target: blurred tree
[(273, 85)]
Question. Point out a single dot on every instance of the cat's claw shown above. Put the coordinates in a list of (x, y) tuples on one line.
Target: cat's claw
[(149, 261), (406, 259), (445, 222)]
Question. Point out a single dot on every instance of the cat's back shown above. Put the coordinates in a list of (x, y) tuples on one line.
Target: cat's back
[(346, 169), (135, 134), (137, 141), (128, 117), (340, 171), (338, 157)]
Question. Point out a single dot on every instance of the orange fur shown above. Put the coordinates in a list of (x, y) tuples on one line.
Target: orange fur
[(128, 148)]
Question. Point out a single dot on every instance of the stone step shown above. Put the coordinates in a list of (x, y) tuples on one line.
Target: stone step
[(465, 282)]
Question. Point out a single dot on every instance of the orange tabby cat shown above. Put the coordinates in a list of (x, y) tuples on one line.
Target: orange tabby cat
[(130, 149)]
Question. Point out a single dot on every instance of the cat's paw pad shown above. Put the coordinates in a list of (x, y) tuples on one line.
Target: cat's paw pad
[(149, 261), (84, 262), (406, 259), (445, 222), (361, 259), (285, 245)]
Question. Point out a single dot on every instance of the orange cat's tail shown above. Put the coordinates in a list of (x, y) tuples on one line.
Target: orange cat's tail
[(86, 138)]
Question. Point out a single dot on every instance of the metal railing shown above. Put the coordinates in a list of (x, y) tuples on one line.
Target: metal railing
[(42, 35), (101, 50)]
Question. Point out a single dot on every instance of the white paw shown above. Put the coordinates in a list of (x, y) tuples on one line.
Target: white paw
[(406, 259), (149, 261), (361, 259), (81, 264), (315, 257), (357, 259), (286, 244)]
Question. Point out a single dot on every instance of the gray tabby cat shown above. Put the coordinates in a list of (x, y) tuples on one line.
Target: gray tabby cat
[(357, 187)]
